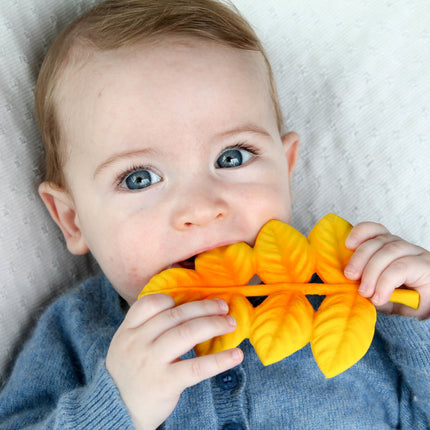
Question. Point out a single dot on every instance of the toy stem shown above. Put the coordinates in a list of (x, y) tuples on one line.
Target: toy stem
[(405, 297)]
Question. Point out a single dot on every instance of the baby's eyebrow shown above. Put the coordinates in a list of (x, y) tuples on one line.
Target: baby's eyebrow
[(122, 156), (245, 128)]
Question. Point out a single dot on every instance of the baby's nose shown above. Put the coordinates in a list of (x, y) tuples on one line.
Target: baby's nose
[(199, 208)]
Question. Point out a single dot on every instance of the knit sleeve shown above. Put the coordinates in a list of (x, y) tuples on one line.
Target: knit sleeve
[(95, 406), (60, 380), (408, 346)]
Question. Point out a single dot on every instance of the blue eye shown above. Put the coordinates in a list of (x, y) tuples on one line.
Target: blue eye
[(233, 157), (140, 179)]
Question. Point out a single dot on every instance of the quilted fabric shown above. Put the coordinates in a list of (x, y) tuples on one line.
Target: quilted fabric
[(34, 263), (354, 82)]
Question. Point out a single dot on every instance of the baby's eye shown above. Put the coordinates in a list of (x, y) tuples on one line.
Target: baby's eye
[(140, 179), (233, 157)]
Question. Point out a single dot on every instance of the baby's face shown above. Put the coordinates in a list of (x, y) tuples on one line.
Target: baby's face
[(173, 149)]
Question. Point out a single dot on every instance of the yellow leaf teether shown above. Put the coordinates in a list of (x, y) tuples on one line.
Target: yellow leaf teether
[(340, 331), (277, 334), (328, 241), (282, 254), (343, 331)]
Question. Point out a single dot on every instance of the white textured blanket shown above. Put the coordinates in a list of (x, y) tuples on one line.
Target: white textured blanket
[(354, 81)]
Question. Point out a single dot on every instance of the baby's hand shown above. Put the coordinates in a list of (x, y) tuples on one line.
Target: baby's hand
[(144, 356), (384, 262)]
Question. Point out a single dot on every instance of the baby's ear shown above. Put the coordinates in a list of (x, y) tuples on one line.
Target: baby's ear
[(62, 210), (290, 142)]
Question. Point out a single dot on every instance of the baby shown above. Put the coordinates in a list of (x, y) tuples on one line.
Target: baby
[(164, 138)]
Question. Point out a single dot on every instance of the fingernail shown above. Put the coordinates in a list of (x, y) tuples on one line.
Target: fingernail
[(376, 299), (350, 271), (237, 354), (231, 321), (350, 243), (362, 289), (222, 305)]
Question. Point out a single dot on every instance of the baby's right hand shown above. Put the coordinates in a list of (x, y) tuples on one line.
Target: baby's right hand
[(144, 355)]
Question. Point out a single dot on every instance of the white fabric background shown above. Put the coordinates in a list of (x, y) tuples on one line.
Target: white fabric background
[(354, 82)]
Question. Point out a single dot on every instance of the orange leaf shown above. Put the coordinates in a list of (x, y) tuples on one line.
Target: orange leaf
[(282, 325), (282, 254), (227, 265), (343, 330), (328, 241), (169, 280)]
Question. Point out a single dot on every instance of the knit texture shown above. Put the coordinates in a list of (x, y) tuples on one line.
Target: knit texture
[(60, 380)]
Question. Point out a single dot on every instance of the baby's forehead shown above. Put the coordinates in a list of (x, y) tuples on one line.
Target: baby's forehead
[(84, 60), (195, 45), (82, 55)]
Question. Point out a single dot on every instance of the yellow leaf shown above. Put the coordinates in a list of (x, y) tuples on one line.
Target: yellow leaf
[(227, 265), (282, 325), (343, 330), (168, 280), (185, 295), (282, 254), (328, 241)]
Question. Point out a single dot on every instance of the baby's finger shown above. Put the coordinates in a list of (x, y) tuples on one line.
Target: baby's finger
[(194, 370), (177, 315), (182, 338), (146, 308), (362, 232), (366, 251), (388, 254), (406, 271)]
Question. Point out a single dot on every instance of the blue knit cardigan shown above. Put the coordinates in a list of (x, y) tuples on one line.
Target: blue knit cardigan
[(60, 380)]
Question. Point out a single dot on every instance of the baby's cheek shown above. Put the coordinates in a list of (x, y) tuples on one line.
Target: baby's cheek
[(133, 272), (126, 271), (129, 283), (271, 203), (136, 280)]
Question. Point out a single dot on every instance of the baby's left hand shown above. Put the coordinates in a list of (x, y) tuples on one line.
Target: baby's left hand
[(384, 262)]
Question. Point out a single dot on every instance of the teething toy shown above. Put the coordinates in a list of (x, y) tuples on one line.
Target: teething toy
[(340, 331)]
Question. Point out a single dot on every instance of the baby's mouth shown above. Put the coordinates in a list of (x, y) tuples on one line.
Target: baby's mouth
[(189, 263)]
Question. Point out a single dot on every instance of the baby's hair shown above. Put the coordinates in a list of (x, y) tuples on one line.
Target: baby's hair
[(121, 23)]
